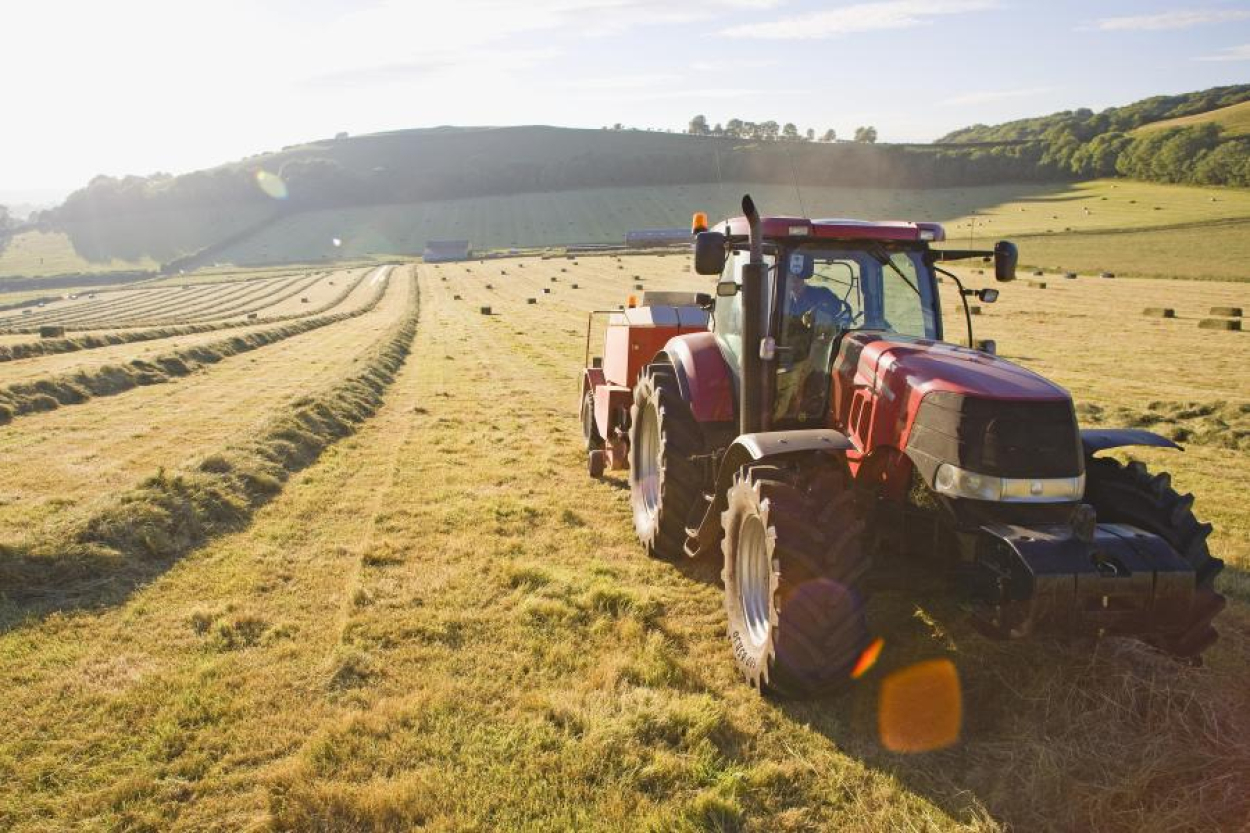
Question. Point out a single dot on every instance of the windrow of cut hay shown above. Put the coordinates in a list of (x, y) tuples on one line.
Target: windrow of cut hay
[(168, 515), (51, 347), (75, 388), (204, 303)]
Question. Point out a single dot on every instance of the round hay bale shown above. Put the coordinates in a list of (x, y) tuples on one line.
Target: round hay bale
[(1037, 273), (974, 310), (1070, 275), (251, 315), (485, 310), (637, 286), (490, 286), (562, 269), (455, 297), (531, 300), (554, 279), (1106, 274), (1159, 312), (1038, 284), (1220, 324), (1227, 312), (573, 286), (546, 291), (51, 331), (303, 300)]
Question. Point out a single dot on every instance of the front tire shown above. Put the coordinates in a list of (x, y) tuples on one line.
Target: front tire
[(793, 564), (663, 479), (1129, 494)]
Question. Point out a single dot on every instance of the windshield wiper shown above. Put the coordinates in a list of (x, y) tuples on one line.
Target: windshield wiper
[(885, 260)]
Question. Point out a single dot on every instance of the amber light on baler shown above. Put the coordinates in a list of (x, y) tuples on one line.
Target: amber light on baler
[(698, 223)]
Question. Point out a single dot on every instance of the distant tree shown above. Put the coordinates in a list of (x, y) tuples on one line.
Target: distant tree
[(868, 134), (790, 132), (810, 135), (750, 130), (698, 126), (618, 126), (718, 130), (734, 127), (6, 220), (769, 129), (829, 136)]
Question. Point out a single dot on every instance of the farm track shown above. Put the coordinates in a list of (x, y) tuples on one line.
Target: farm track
[(27, 350), (59, 463)]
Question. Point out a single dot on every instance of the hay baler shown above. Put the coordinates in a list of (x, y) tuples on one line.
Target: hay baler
[(820, 417)]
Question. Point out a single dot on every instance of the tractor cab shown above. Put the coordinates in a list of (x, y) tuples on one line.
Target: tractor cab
[(819, 291), (820, 280)]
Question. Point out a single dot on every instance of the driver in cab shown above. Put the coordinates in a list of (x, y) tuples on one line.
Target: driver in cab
[(811, 317)]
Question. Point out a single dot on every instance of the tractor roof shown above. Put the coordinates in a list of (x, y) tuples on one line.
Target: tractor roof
[(836, 229)]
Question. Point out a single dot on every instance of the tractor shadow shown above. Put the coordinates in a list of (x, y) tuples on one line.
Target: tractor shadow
[(1048, 729)]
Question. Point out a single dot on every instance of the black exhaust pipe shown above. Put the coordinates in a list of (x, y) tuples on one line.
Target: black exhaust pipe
[(750, 390)]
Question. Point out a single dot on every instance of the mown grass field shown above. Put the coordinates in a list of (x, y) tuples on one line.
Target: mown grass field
[(440, 621)]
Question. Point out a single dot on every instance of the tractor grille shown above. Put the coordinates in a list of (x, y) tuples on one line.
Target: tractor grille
[(997, 437)]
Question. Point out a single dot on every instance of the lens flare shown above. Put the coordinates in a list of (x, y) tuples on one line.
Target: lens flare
[(920, 707), (271, 184), (868, 658), (336, 242)]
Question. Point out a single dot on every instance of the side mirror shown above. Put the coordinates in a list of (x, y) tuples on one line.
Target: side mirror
[(1005, 258), (709, 253), (988, 345), (726, 289), (703, 300), (987, 296)]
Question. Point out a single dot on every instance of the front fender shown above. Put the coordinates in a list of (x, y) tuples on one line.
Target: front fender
[(1094, 440), (755, 448)]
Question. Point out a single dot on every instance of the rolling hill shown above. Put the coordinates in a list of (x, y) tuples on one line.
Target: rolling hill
[(526, 186)]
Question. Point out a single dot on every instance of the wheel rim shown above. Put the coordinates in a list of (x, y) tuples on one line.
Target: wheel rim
[(646, 469), (754, 578)]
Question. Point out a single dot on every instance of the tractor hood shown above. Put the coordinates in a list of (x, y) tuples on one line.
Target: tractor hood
[(960, 406), (919, 366)]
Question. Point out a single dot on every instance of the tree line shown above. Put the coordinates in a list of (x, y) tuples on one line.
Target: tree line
[(767, 131), (1083, 144)]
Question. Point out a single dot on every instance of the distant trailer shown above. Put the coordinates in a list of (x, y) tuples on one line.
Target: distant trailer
[(650, 237), (444, 251)]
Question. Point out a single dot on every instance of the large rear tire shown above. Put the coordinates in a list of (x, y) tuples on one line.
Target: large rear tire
[(663, 479), (793, 566), (1129, 494)]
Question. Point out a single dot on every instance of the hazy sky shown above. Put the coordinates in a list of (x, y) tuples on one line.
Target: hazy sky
[(137, 86)]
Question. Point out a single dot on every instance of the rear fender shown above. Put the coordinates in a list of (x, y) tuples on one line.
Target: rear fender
[(703, 377), (757, 448), (1094, 440)]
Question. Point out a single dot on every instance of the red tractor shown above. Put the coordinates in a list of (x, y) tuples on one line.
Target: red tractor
[(810, 413)]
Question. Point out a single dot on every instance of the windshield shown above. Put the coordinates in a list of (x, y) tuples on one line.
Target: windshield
[(831, 291)]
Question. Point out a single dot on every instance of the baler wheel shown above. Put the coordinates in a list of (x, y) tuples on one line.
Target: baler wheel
[(596, 462), (590, 431), (663, 479), (1130, 494), (794, 562)]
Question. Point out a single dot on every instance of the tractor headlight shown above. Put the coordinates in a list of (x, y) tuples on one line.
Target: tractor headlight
[(956, 482)]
